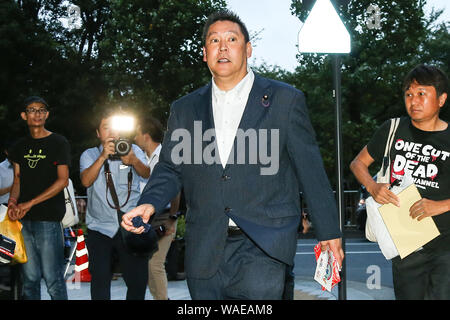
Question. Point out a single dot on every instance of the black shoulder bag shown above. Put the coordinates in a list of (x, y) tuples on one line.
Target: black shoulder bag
[(144, 244)]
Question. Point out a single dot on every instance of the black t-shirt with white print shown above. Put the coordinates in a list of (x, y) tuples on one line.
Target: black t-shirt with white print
[(426, 154)]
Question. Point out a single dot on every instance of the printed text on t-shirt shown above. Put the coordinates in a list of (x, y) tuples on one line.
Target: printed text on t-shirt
[(419, 160)]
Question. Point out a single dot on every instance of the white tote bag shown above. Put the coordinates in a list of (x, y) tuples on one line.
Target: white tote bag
[(71, 216), (376, 230)]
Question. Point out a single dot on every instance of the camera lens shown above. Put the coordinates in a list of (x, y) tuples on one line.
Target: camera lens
[(123, 147)]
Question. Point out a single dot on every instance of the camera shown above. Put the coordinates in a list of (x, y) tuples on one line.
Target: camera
[(122, 146)]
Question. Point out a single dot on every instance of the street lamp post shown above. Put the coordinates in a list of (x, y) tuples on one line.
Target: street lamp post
[(324, 32), (342, 286)]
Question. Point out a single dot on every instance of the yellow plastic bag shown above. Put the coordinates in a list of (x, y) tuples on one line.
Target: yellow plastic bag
[(13, 230)]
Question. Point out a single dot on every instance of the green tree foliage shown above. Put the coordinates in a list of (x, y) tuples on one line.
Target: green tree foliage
[(153, 52), (139, 54)]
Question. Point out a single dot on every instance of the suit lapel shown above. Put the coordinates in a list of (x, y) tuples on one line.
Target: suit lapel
[(256, 107), (204, 114), (204, 108)]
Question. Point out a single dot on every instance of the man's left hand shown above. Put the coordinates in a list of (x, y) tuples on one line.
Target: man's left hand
[(427, 208), (335, 245), (129, 159)]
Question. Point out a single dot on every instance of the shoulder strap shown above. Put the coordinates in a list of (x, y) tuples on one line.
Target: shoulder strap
[(392, 130), (387, 151), (112, 189)]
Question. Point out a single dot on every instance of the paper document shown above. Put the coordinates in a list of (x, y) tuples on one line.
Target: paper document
[(407, 233), (327, 269)]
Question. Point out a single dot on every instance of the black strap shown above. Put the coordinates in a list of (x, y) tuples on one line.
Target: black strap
[(112, 189)]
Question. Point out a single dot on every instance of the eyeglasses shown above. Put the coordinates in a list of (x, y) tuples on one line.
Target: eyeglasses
[(39, 111)]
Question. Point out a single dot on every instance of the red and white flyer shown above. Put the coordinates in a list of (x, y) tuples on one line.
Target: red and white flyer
[(327, 270)]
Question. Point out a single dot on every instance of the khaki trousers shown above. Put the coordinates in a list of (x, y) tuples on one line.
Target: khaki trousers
[(157, 277)]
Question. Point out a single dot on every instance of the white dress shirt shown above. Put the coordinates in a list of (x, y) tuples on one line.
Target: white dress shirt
[(151, 162), (228, 107)]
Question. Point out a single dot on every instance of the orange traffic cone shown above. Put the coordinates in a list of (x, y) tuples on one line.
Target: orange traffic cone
[(81, 263)]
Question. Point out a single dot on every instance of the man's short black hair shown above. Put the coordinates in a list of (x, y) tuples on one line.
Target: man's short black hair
[(428, 76), (153, 127), (224, 15), (33, 99)]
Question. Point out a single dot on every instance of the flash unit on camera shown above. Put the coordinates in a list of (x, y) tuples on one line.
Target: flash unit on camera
[(122, 123)]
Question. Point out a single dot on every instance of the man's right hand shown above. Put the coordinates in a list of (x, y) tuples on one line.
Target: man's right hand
[(381, 194), (144, 210), (379, 191), (108, 148)]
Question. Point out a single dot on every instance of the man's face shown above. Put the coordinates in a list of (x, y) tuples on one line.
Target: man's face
[(226, 51), (35, 114), (422, 103), (105, 131)]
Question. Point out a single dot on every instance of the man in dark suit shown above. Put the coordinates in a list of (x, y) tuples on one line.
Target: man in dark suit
[(243, 207)]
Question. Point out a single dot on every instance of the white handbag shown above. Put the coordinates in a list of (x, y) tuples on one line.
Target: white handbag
[(376, 230), (71, 216)]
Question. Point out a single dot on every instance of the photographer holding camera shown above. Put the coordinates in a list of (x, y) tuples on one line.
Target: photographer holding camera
[(127, 171)]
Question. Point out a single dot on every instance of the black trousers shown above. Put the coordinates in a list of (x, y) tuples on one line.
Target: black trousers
[(423, 275), (101, 250)]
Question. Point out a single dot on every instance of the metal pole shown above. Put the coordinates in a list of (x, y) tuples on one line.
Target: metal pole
[(74, 249), (342, 286)]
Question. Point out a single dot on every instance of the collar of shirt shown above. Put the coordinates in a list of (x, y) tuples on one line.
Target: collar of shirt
[(228, 108), (154, 157)]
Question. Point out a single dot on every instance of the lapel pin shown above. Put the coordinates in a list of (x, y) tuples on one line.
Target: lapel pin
[(265, 100)]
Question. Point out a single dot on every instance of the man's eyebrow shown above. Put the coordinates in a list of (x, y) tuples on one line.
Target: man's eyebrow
[(421, 87), (215, 32)]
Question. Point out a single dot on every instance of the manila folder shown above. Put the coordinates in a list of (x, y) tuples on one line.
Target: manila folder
[(407, 233)]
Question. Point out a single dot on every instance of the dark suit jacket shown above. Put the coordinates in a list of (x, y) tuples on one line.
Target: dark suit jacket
[(266, 207)]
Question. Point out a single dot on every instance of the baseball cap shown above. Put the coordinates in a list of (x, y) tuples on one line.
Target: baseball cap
[(32, 99)]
